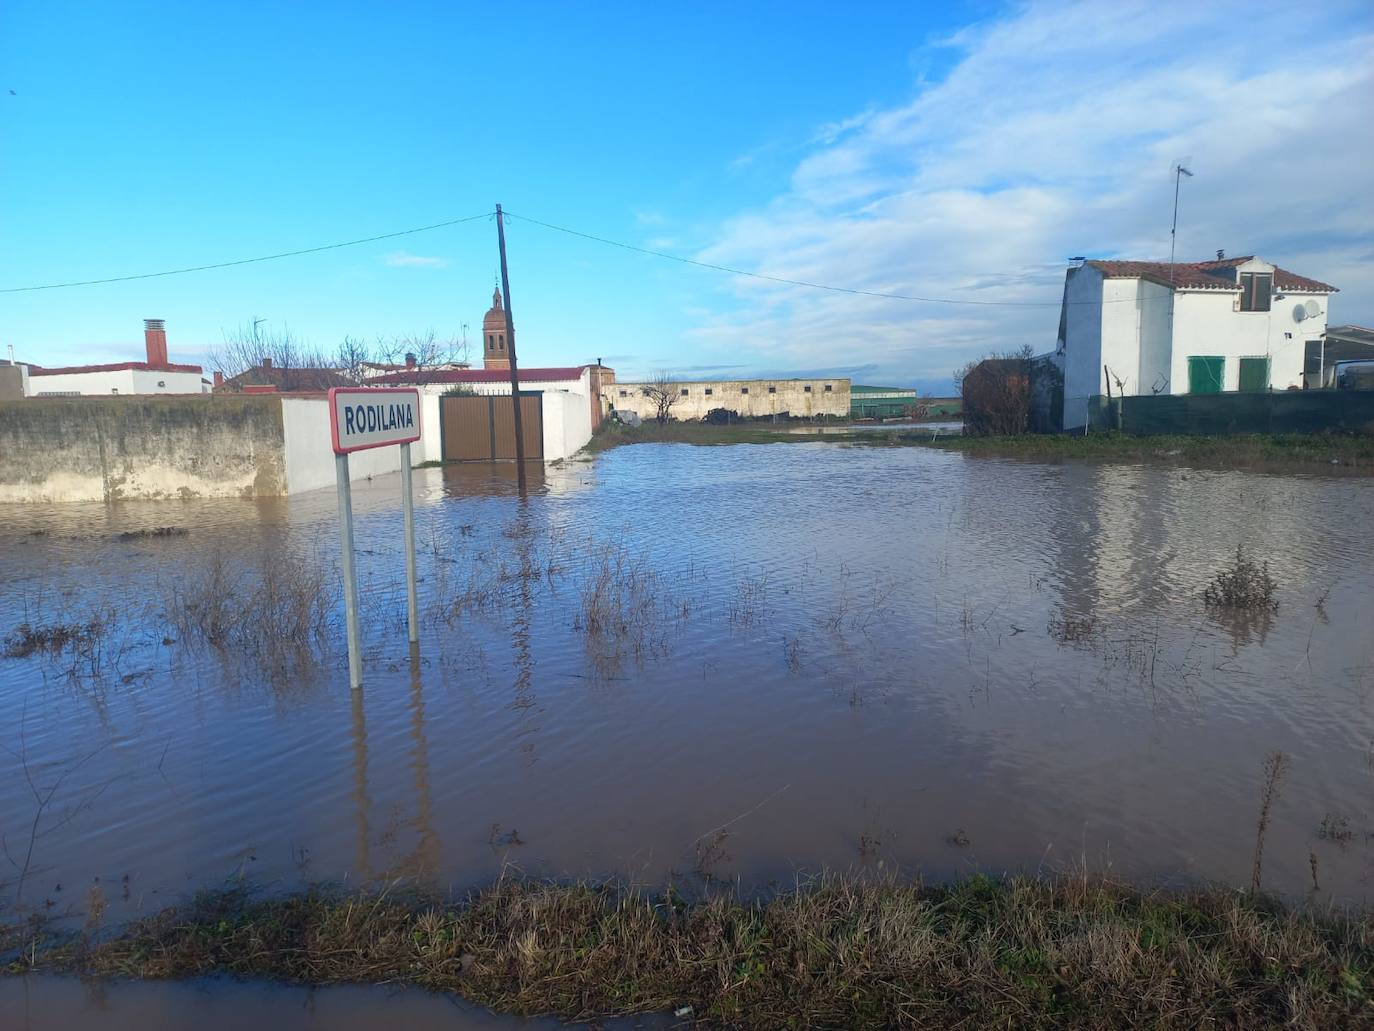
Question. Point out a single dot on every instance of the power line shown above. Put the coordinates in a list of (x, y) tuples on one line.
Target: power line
[(247, 261), (781, 279), (826, 286)]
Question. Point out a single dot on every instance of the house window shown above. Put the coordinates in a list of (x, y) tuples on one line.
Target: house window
[(624, 393), (1206, 374), (684, 391), (807, 388), (501, 342), (491, 342), (744, 390), (1254, 374), (1255, 290), (708, 391), (828, 388), (772, 390)]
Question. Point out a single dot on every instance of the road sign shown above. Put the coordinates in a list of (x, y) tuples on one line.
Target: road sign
[(361, 418), (364, 417)]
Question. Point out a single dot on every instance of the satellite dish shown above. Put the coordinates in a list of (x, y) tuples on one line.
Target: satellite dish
[(1306, 310)]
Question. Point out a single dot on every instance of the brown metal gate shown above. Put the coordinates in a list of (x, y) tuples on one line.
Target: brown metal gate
[(482, 429)]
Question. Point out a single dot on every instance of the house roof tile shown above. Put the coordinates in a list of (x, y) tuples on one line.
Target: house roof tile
[(481, 375), (1204, 275), (66, 370)]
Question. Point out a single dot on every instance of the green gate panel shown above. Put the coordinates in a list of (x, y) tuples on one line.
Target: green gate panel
[(1205, 374), (1254, 374)]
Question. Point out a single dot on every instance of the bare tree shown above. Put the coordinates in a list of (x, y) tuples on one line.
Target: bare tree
[(996, 393), (430, 350), (294, 364), (664, 392), (280, 358), (352, 358)]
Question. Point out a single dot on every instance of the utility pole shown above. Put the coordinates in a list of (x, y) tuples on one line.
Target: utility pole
[(510, 351), (1179, 173)]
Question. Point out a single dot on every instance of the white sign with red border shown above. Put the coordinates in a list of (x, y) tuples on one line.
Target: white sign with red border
[(366, 417)]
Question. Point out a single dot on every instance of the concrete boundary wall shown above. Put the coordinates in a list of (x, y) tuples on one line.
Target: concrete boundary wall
[(116, 448), (309, 449), (567, 424), (92, 449)]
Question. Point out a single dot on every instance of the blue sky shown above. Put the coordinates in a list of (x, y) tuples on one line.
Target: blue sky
[(957, 150)]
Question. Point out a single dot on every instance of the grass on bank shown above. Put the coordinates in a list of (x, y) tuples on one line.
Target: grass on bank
[(612, 435), (1238, 450), (1242, 449), (838, 952)]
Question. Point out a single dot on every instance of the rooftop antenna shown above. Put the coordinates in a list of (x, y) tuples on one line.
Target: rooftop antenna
[(1179, 173)]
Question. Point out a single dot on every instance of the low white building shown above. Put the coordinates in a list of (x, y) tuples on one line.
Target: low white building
[(573, 399), (155, 375), (1148, 327)]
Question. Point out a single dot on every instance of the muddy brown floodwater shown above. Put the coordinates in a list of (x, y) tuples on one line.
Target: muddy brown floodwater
[(741, 662)]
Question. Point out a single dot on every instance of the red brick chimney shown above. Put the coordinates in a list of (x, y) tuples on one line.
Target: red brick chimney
[(155, 337), (410, 361), (219, 380), (267, 364)]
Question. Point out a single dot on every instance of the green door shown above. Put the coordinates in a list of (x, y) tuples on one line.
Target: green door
[(1204, 375), (1254, 374)]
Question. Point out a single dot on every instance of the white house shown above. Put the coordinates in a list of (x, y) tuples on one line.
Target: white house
[(156, 375), (1152, 327)]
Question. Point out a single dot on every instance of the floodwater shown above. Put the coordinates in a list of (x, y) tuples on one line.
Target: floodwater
[(744, 662)]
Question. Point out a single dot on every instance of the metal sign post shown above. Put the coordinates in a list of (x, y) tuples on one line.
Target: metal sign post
[(408, 507), (362, 418), (350, 571)]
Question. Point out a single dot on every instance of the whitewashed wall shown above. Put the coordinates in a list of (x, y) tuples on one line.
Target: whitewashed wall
[(122, 381), (1083, 343), (567, 424), (1208, 324), (146, 382), (430, 446), (310, 450)]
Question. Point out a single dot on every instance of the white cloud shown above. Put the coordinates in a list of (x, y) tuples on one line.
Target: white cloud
[(1054, 135), (404, 260)]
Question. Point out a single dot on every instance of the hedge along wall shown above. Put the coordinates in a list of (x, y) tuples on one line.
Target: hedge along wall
[(111, 448), (1282, 411)]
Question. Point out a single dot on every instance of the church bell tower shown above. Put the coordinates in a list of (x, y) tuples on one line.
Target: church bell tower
[(495, 332)]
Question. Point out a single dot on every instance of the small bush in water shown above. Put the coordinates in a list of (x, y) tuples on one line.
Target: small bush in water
[(1245, 584)]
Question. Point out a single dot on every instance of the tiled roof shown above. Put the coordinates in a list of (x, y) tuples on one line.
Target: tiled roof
[(35, 370), (1285, 280), (481, 375), (275, 377), (1204, 275)]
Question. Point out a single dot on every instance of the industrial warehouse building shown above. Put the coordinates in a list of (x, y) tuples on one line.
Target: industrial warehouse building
[(882, 402), (747, 398)]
